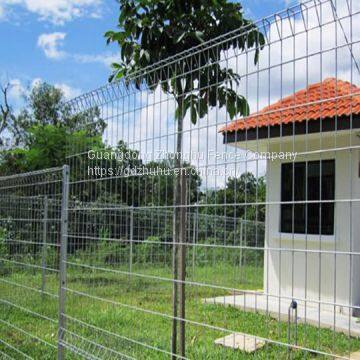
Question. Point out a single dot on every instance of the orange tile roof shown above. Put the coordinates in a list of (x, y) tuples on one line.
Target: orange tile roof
[(321, 100)]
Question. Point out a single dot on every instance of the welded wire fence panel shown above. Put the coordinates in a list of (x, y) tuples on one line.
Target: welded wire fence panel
[(192, 231), (260, 249), (30, 207)]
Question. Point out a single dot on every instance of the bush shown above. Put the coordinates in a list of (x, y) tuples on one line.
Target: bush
[(152, 250), (4, 252)]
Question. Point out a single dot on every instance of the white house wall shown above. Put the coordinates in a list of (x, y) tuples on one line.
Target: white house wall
[(314, 275), (355, 226)]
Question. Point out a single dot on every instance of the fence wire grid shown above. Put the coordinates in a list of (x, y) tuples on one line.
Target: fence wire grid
[(30, 208), (245, 246)]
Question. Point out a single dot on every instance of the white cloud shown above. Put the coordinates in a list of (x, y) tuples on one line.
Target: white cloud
[(19, 89), (106, 59), (17, 93), (51, 43), (68, 91), (55, 11), (35, 82)]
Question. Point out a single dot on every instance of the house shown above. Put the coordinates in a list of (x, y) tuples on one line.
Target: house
[(312, 237)]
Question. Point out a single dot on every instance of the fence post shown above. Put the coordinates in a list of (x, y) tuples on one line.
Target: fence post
[(241, 250), (44, 246), (194, 242), (175, 276), (63, 256), (182, 264), (131, 240)]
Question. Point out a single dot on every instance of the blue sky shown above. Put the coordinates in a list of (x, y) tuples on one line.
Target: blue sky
[(61, 41)]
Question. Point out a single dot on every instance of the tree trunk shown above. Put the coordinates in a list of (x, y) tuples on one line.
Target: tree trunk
[(179, 249)]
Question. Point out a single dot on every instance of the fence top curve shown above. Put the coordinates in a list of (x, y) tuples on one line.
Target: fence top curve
[(122, 87)]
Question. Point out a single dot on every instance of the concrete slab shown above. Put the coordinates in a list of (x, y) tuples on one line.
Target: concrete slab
[(308, 313), (240, 342)]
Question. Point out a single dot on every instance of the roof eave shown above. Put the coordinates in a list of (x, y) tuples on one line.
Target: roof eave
[(293, 129)]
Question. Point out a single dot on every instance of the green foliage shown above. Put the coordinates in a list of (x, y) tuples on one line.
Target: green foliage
[(3, 247), (46, 105), (46, 146), (159, 188), (151, 31), (46, 131), (150, 251), (240, 191), (45, 102), (103, 252), (153, 187)]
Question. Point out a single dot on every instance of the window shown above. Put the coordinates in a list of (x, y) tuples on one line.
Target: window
[(302, 181)]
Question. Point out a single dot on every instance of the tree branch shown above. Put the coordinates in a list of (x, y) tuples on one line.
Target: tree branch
[(5, 108)]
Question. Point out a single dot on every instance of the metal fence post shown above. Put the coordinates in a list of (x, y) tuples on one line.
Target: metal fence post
[(241, 250), (175, 285), (182, 265), (131, 238), (193, 244), (179, 265), (63, 256), (44, 246)]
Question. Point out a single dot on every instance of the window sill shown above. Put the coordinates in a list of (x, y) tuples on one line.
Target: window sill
[(306, 238)]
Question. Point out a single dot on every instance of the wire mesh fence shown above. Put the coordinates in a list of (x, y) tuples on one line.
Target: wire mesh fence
[(287, 284), (30, 223), (197, 233), (119, 255)]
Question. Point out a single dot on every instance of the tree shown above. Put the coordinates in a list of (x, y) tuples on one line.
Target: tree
[(46, 146), (45, 130), (8, 120), (239, 192), (45, 105), (159, 188), (151, 31), (154, 30)]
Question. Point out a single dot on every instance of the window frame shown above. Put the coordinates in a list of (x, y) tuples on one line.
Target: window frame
[(321, 231)]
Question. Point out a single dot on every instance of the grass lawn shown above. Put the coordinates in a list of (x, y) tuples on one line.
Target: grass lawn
[(122, 313)]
